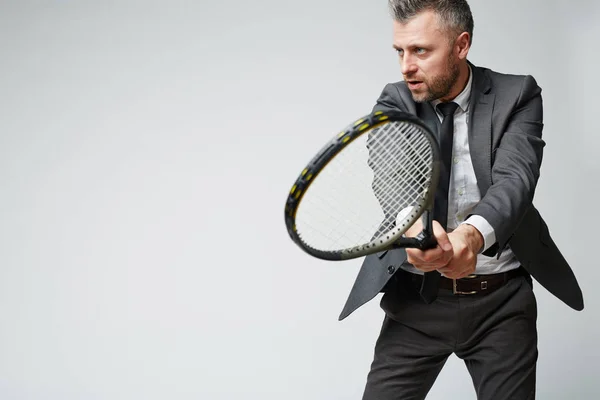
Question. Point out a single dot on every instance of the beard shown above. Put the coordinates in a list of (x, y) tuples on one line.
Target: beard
[(440, 85)]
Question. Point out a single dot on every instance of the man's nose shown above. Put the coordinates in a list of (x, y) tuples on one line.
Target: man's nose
[(408, 66)]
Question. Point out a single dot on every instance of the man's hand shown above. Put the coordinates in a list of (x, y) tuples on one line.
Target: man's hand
[(466, 242), (431, 259)]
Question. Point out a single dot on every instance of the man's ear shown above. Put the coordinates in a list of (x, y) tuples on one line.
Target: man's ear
[(462, 45)]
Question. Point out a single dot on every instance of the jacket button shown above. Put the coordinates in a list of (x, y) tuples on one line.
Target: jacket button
[(391, 269)]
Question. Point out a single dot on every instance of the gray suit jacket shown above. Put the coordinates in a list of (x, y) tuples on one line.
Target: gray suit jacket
[(505, 141)]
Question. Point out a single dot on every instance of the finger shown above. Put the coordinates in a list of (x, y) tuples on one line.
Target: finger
[(426, 268), (449, 273), (441, 237), (431, 257), (457, 270)]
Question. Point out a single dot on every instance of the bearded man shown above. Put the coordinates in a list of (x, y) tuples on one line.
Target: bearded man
[(472, 294)]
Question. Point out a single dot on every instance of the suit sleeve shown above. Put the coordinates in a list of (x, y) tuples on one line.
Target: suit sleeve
[(516, 166)]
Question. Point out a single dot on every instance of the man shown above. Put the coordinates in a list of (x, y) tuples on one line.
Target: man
[(472, 294)]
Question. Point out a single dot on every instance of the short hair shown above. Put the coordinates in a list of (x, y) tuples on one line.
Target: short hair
[(455, 15)]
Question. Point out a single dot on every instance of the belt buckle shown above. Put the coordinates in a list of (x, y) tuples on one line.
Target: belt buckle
[(456, 291)]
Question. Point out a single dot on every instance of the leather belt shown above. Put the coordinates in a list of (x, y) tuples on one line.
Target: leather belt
[(471, 284)]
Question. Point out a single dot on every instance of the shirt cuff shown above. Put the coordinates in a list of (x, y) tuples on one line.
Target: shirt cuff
[(484, 227)]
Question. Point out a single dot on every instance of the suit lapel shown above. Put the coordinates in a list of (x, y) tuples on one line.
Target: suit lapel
[(480, 129), (427, 114)]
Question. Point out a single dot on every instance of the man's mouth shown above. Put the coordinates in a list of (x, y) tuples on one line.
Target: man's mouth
[(413, 84)]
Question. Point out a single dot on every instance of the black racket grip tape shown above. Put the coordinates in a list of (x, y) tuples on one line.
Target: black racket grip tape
[(425, 241)]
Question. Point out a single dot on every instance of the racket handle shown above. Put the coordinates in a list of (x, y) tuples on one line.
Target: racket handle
[(426, 237), (424, 240)]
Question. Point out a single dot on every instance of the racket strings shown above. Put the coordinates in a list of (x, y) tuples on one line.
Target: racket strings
[(384, 163), (358, 195), (409, 186), (388, 165), (335, 227)]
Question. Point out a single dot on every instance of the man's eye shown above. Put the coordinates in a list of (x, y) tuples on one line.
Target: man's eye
[(400, 52), (420, 50)]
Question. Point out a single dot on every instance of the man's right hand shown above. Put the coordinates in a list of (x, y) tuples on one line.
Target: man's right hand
[(431, 259)]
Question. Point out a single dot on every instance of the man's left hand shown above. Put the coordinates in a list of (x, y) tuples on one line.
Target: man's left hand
[(466, 241)]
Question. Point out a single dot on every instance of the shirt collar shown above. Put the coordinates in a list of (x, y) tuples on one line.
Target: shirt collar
[(463, 98)]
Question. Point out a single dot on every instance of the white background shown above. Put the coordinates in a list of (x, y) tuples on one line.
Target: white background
[(146, 151)]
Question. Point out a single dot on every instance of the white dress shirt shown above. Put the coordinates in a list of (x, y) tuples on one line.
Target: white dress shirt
[(464, 193)]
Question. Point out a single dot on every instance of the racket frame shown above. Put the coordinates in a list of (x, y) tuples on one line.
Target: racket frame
[(394, 238)]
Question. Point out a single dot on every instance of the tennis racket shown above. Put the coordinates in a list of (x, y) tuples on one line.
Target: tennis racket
[(365, 188)]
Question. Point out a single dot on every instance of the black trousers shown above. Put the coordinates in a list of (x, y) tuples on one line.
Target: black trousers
[(495, 334)]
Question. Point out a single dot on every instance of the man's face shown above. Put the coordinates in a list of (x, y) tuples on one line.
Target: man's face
[(427, 57)]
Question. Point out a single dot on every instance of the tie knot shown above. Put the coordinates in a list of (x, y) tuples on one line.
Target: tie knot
[(447, 108)]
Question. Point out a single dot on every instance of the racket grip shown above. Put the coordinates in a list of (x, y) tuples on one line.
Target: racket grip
[(422, 241), (426, 238)]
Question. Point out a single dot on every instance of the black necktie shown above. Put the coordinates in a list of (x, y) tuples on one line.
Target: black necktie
[(431, 280)]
